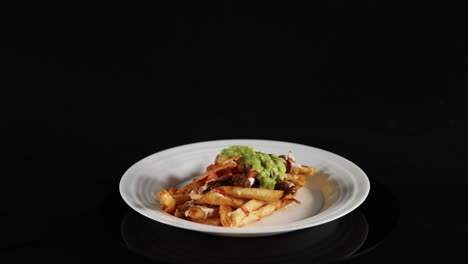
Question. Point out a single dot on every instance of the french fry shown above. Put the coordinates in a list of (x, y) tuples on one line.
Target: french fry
[(303, 170), (250, 193), (262, 212), (216, 169), (290, 196), (199, 212), (215, 213), (178, 213), (224, 215), (226, 160), (193, 186), (208, 221), (258, 214), (229, 163), (297, 179), (167, 201), (181, 198), (194, 213), (216, 198), (242, 212), (250, 206)]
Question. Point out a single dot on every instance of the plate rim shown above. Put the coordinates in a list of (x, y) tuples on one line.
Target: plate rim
[(252, 231)]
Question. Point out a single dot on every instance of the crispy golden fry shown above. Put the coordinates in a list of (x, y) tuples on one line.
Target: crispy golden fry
[(181, 198), (209, 221), (263, 211), (303, 170), (251, 205), (258, 214), (224, 215), (250, 193), (178, 213), (215, 213), (200, 212), (242, 212), (216, 198), (218, 167), (290, 196), (194, 213), (193, 186), (226, 160), (298, 180), (167, 201)]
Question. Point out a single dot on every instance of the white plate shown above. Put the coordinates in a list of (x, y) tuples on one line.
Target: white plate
[(338, 187)]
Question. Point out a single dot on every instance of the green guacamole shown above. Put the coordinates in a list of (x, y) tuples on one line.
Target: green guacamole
[(269, 167)]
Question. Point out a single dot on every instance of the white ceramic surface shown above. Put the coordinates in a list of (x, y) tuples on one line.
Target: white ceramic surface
[(338, 187)]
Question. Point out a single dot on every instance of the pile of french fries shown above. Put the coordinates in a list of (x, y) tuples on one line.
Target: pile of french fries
[(229, 206)]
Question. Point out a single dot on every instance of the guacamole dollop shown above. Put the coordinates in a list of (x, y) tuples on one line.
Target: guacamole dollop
[(270, 168)]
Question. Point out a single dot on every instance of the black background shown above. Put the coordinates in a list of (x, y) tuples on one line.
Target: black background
[(88, 89)]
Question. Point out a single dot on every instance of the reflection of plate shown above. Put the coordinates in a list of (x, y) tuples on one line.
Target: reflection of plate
[(338, 187), (335, 240)]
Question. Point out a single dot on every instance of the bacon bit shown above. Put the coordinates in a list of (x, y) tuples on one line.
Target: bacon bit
[(172, 190), (240, 168), (225, 172), (219, 167), (211, 177), (288, 166), (251, 173), (287, 163)]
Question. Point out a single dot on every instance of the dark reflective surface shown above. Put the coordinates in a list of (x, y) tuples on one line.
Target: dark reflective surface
[(337, 239), (382, 212), (348, 237), (114, 232)]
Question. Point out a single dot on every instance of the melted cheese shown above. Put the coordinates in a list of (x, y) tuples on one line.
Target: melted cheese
[(208, 211)]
